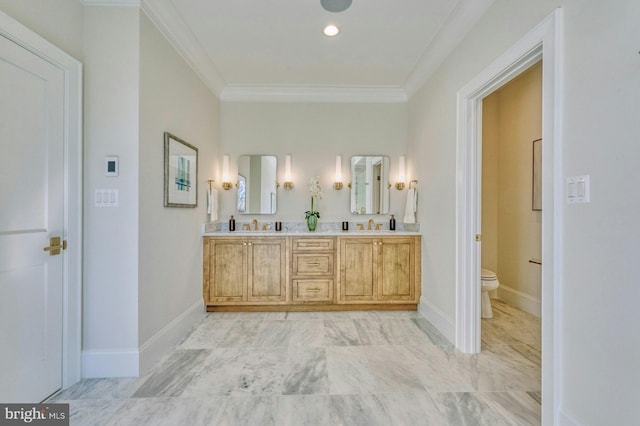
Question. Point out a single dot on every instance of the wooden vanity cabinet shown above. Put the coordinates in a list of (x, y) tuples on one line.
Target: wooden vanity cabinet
[(375, 269), (311, 273), (312, 270), (245, 270)]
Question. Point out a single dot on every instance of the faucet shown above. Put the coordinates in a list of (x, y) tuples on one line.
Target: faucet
[(246, 227), (371, 222), (255, 224), (266, 226)]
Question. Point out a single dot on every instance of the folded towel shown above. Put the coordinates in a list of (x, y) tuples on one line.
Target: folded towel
[(410, 209), (212, 204)]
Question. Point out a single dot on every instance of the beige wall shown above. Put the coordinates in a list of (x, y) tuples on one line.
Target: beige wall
[(313, 134), (597, 255), (490, 164), (59, 21), (511, 231), (172, 99), (111, 69)]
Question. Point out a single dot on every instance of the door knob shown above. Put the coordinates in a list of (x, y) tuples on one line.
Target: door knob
[(55, 246)]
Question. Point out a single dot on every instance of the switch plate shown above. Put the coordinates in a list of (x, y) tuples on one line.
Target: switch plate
[(578, 189), (106, 197)]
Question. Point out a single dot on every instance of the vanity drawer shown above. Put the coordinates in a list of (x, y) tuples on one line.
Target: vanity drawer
[(313, 264), (312, 290), (312, 244)]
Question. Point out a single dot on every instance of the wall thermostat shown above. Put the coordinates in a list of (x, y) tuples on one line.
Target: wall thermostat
[(111, 165)]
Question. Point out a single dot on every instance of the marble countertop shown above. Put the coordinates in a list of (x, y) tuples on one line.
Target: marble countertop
[(325, 229), (294, 233)]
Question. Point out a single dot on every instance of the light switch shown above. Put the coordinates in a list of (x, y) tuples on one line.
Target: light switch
[(106, 197), (578, 189)]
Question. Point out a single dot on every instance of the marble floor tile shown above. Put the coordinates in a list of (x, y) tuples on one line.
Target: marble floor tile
[(246, 371), (243, 333), (518, 407), (175, 374), (307, 333), (341, 332), (169, 412), (440, 369), (305, 371), (117, 388), (304, 410), (209, 334), (431, 332), (348, 370), (327, 368), (467, 409), (92, 412)]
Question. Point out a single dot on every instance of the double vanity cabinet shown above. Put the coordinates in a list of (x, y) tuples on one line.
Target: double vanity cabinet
[(253, 272)]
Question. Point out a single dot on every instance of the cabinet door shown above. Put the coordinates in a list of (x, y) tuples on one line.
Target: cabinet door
[(396, 271), (227, 275), (358, 270), (267, 269)]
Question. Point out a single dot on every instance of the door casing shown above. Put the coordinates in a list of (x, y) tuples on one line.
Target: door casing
[(542, 42)]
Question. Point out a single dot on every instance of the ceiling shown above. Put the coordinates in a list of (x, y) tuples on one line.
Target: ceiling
[(275, 49)]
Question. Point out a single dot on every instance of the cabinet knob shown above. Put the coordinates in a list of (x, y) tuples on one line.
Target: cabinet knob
[(375, 243), (244, 244), (380, 242), (250, 244)]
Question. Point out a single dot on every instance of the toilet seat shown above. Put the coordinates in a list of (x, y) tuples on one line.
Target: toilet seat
[(488, 275)]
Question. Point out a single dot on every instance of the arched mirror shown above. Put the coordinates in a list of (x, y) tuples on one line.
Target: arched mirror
[(370, 184), (257, 190)]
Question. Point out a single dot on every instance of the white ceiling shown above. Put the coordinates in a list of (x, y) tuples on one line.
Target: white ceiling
[(275, 49)]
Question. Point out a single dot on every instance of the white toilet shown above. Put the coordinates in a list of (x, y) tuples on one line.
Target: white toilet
[(490, 282)]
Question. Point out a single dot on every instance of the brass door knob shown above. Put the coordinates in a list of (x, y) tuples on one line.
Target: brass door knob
[(55, 246)]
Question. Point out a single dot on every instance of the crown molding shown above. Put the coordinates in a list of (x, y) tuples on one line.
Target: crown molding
[(135, 3), (319, 94), (167, 19), (460, 21)]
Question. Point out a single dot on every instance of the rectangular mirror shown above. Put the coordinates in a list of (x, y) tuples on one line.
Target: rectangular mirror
[(257, 177), (370, 184)]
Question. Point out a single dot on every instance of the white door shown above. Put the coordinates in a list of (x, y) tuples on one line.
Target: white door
[(31, 212)]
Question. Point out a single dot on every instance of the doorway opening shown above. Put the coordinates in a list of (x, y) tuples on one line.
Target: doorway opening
[(542, 43)]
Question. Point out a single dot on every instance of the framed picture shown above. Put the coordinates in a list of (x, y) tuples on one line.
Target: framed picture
[(536, 193), (180, 172)]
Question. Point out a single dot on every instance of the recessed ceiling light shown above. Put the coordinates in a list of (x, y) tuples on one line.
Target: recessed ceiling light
[(331, 30)]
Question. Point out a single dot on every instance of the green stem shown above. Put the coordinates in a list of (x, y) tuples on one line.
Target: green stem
[(312, 205)]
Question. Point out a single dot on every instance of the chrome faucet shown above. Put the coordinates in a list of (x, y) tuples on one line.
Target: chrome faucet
[(371, 222), (255, 224)]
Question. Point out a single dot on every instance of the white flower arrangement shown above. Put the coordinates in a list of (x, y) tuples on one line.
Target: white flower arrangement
[(316, 192)]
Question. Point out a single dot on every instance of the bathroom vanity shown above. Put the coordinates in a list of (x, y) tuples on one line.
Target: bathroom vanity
[(306, 271)]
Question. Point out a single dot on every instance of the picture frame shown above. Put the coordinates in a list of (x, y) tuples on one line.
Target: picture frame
[(536, 186), (180, 172)]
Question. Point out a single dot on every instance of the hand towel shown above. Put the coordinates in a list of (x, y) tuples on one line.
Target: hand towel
[(212, 204), (410, 209)]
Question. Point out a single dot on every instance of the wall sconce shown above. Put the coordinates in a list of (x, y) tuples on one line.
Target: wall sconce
[(400, 182), (338, 182), (288, 183), (226, 183)]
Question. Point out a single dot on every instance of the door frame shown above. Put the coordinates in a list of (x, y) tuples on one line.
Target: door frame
[(542, 42), (72, 257)]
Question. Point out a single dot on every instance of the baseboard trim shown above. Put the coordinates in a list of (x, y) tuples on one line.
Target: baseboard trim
[(166, 339), (437, 318), (520, 300), (566, 420), (103, 364)]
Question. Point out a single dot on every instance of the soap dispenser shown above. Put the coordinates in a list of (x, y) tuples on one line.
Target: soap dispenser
[(232, 224), (392, 223)]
